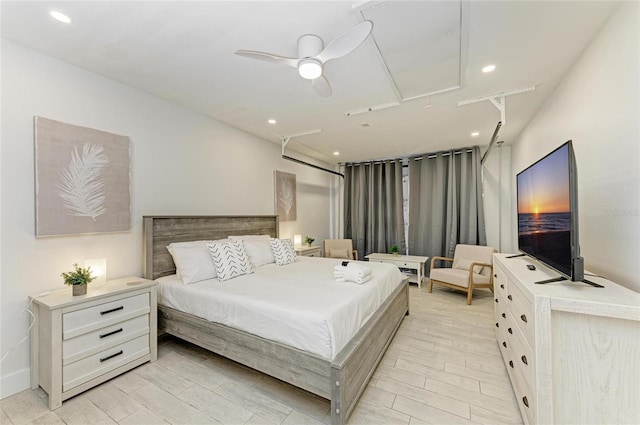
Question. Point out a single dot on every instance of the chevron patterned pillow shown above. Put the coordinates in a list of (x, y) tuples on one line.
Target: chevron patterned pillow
[(283, 251), (229, 259)]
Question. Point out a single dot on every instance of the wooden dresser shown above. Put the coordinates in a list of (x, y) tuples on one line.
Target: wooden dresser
[(572, 351), (78, 342)]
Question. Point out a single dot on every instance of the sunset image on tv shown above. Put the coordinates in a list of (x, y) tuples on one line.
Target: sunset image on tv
[(544, 210)]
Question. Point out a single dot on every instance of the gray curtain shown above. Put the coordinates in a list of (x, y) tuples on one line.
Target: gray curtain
[(445, 203), (373, 206)]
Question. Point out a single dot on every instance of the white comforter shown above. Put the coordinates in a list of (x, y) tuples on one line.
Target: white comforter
[(300, 304)]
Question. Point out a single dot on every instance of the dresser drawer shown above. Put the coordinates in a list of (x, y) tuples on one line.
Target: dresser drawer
[(522, 311), (524, 394), (93, 342), (92, 318), (93, 366), (521, 352)]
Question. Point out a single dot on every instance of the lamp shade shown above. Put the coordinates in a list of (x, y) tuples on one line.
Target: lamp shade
[(98, 268), (297, 241)]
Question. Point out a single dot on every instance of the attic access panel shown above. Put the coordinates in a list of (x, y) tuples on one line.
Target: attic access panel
[(420, 44)]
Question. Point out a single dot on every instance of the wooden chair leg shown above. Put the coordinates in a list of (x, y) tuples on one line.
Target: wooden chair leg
[(430, 285), (469, 295)]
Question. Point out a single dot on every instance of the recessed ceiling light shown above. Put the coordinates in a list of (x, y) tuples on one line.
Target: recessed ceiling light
[(488, 68), (336, 153), (272, 121), (475, 134), (58, 16)]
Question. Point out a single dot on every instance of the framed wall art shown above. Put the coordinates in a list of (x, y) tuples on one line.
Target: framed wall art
[(82, 180), (285, 195)]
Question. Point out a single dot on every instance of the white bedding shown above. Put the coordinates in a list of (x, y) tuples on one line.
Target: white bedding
[(299, 304)]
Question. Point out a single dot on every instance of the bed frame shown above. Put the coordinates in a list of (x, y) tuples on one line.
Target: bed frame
[(342, 380)]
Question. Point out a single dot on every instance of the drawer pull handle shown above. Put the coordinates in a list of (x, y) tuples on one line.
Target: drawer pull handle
[(497, 325), (104, 359), (525, 401), (504, 343), (523, 318), (495, 275), (112, 310), (524, 360), (511, 363), (510, 297), (502, 285), (504, 316), (510, 331), (496, 300), (110, 333)]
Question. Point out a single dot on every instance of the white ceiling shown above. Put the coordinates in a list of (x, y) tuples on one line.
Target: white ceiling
[(183, 52)]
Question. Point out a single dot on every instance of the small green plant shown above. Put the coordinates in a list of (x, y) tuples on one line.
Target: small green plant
[(79, 276), (308, 240), (394, 249)]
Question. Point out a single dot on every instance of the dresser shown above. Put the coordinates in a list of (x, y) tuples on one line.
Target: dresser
[(411, 262), (308, 251), (572, 351), (78, 342)]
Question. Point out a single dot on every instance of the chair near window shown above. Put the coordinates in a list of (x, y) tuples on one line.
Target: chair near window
[(339, 248), (472, 268)]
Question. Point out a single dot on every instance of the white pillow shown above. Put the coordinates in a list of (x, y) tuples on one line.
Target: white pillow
[(465, 263), (257, 247), (283, 251), (193, 261), (230, 259)]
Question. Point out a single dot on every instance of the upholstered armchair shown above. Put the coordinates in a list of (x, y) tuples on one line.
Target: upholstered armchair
[(472, 268), (339, 248)]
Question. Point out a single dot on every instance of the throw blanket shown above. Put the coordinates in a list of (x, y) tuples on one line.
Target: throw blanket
[(353, 272)]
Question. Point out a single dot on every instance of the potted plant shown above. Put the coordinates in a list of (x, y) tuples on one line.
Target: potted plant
[(79, 278), (308, 240), (394, 249)]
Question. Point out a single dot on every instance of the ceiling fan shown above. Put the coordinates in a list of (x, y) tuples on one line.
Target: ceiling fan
[(312, 55)]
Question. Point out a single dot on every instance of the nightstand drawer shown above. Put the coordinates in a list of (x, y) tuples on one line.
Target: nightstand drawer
[(93, 366), (101, 339), (89, 319)]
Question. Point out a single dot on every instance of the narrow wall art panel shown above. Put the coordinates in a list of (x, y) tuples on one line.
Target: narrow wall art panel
[(285, 195), (82, 180)]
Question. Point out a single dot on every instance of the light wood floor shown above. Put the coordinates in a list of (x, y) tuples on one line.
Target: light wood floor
[(443, 367)]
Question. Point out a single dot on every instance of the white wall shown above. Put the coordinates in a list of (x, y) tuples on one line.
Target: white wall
[(182, 163), (597, 106)]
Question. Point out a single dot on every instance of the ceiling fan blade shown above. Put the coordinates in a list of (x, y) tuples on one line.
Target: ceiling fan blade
[(268, 57), (346, 42), (321, 86)]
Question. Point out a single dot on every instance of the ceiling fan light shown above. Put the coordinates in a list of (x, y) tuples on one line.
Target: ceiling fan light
[(310, 69)]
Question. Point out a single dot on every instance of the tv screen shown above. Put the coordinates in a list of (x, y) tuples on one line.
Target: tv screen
[(548, 212)]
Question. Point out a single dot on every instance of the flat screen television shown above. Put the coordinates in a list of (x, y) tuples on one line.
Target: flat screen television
[(547, 194)]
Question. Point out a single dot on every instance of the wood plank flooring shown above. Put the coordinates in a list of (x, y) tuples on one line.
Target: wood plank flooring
[(443, 367)]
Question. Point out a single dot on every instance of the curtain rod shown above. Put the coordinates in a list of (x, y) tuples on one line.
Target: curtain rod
[(414, 157), (491, 143), (299, 161)]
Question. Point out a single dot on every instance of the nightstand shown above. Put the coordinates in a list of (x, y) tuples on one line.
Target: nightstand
[(308, 251), (78, 342)]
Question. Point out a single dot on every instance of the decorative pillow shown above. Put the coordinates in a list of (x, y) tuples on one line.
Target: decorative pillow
[(465, 263), (193, 261), (230, 259), (339, 253), (283, 251), (257, 247)]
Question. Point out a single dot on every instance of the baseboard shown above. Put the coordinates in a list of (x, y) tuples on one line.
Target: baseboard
[(15, 382)]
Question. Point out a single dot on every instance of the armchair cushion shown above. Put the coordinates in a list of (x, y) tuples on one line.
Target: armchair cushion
[(457, 277), (339, 253), (339, 246), (465, 264)]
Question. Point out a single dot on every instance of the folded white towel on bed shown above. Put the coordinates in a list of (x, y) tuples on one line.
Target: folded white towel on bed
[(358, 280), (358, 269), (356, 273)]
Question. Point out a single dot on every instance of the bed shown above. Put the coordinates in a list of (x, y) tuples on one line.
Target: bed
[(341, 379)]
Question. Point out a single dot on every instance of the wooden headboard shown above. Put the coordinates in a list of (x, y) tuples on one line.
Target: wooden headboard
[(160, 231)]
